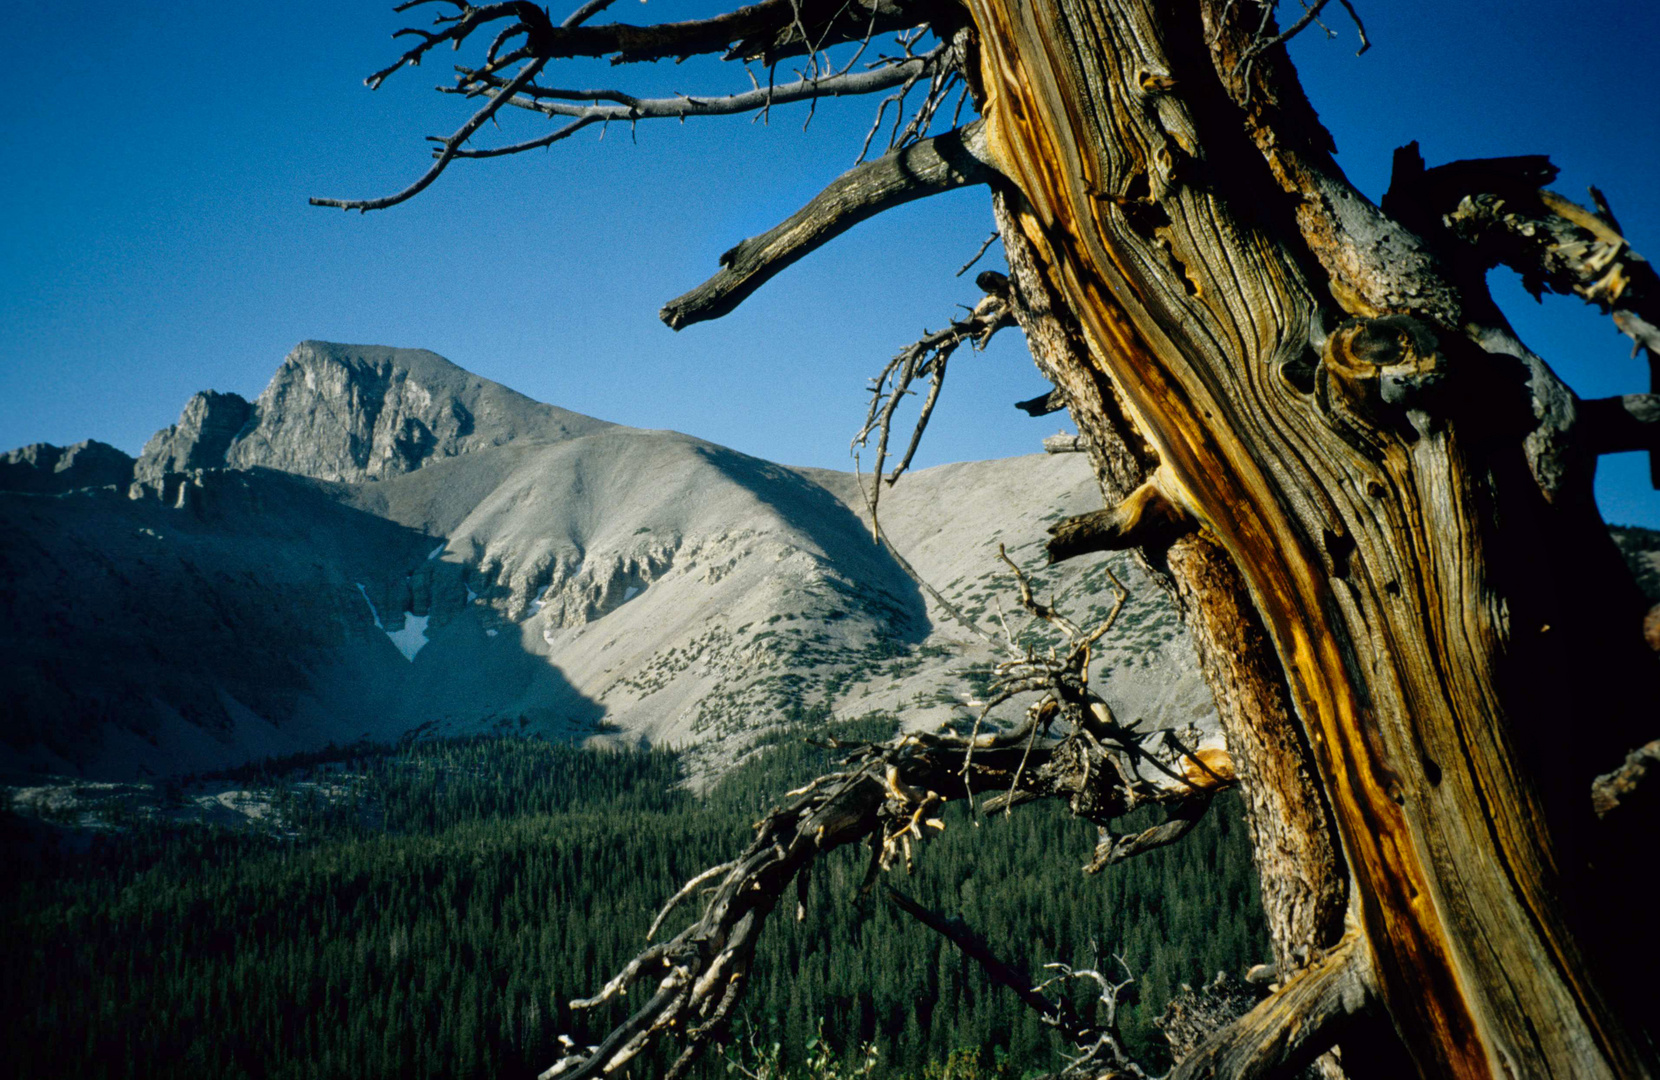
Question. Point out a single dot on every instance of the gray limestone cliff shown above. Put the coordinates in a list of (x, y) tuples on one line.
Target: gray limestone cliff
[(367, 412), (44, 469), (206, 428)]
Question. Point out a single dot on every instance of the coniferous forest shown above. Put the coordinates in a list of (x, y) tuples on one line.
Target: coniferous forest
[(430, 910)]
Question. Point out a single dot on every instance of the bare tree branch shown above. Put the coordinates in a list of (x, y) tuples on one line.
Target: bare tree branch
[(930, 167), (1056, 1012), (984, 247), (1614, 425), (1609, 791), (771, 30), (1114, 848), (892, 794), (625, 108), (927, 358), (447, 153)]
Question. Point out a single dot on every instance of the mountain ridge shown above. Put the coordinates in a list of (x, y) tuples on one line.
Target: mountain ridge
[(383, 545), (310, 568)]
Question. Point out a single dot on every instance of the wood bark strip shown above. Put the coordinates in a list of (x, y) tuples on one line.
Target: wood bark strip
[(1303, 878)]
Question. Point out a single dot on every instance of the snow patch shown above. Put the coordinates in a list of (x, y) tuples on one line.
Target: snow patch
[(541, 600), (491, 632), (630, 593), (437, 551), (373, 614), (413, 637)]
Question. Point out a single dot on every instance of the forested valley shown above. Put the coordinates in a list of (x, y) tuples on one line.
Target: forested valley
[(431, 910)]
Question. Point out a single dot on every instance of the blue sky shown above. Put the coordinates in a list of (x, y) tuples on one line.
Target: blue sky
[(155, 161)]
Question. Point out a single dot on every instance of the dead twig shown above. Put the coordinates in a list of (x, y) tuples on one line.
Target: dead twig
[(927, 358)]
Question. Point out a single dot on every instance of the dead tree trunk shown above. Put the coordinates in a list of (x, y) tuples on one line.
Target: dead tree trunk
[(1308, 413), (1398, 492)]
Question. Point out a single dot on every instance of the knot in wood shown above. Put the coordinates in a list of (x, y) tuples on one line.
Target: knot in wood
[(1378, 371)]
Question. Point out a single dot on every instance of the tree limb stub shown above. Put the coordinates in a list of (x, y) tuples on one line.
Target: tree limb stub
[(1044, 404), (1617, 424), (1609, 792), (1146, 518), (1294, 1025), (928, 167)]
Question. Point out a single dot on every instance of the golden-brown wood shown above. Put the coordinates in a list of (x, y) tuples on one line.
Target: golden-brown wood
[(1303, 879), (1361, 516)]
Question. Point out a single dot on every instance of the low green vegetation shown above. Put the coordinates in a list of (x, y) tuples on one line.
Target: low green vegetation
[(429, 911)]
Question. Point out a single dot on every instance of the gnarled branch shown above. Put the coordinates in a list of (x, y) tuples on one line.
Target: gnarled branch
[(927, 358), (621, 107), (891, 793), (771, 30), (1611, 790), (448, 150), (929, 167), (1056, 1012)]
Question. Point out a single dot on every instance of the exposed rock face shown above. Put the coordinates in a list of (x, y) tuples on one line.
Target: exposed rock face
[(207, 426), (366, 412), (45, 469)]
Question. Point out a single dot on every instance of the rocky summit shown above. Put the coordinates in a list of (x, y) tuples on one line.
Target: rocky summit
[(384, 544)]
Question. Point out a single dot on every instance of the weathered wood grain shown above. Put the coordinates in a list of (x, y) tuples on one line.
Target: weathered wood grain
[(1361, 515)]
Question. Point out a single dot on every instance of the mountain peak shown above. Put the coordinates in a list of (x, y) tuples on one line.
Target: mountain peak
[(210, 422), (43, 468), (356, 412)]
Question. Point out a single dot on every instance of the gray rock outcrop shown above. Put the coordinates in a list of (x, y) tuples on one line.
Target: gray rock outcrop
[(44, 469), (208, 425), (367, 412)]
